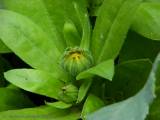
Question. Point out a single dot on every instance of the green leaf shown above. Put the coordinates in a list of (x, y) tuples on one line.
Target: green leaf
[(127, 75), (13, 99), (91, 104), (134, 45), (62, 11), (154, 113), (104, 69), (35, 81), (59, 105), (71, 34), (111, 27), (39, 12), (4, 48), (136, 107), (85, 25), (28, 41), (55, 13), (152, 0), (40, 113), (106, 15), (84, 89), (146, 21)]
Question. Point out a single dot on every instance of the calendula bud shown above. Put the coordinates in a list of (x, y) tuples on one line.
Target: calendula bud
[(76, 60), (68, 94)]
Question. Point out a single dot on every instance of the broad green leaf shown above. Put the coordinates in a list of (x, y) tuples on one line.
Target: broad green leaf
[(127, 75), (39, 12), (91, 104), (134, 45), (13, 99), (106, 16), (104, 69), (154, 113), (59, 105), (28, 41), (111, 27), (146, 21), (135, 107), (40, 113), (35, 81), (3, 48), (84, 89)]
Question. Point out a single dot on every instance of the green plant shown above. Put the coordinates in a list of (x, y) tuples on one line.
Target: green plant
[(89, 70)]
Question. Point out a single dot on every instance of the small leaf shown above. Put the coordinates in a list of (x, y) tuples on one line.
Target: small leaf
[(13, 99), (40, 113), (83, 89), (35, 81), (146, 21), (104, 69), (91, 104), (71, 34), (59, 105), (136, 107)]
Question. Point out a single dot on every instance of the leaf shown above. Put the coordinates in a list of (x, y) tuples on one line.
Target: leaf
[(111, 27), (154, 113), (134, 45), (39, 12), (59, 105), (55, 13), (4, 48), (71, 34), (26, 39), (106, 15), (85, 25), (152, 0), (39, 113), (91, 104), (62, 11), (146, 21), (104, 69), (136, 107), (35, 81), (13, 99), (83, 89), (130, 76)]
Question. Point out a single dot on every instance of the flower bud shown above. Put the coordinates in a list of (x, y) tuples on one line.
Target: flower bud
[(76, 60), (68, 94)]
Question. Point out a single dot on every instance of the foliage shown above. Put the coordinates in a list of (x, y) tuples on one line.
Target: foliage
[(86, 59)]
